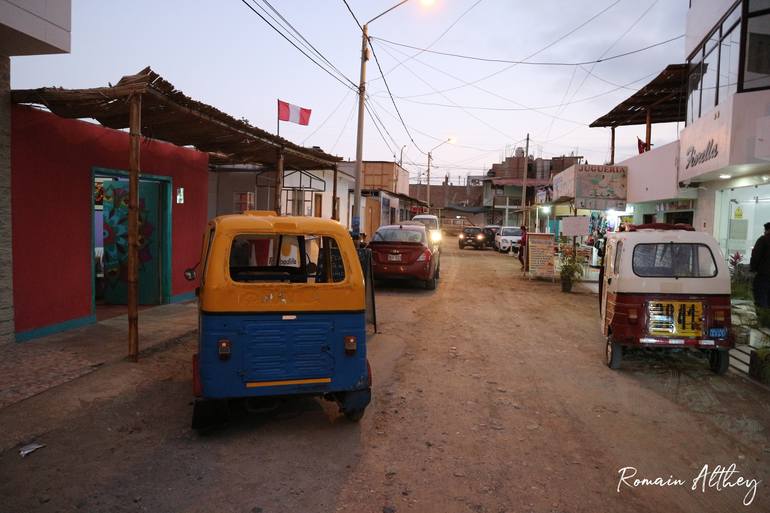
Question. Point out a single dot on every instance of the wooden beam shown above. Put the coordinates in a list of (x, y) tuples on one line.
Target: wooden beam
[(278, 181), (648, 135), (135, 134), (335, 199), (612, 147)]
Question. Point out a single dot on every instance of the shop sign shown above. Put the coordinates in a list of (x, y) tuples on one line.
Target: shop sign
[(605, 182), (695, 157), (600, 204), (575, 226), (540, 255)]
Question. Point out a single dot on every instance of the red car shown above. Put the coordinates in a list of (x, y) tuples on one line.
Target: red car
[(403, 251)]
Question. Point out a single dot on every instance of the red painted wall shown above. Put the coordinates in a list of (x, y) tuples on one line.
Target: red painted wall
[(51, 163)]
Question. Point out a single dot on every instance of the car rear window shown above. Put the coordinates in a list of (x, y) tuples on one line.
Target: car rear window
[(511, 232), (398, 235), (285, 258), (472, 230), (674, 260), (431, 224)]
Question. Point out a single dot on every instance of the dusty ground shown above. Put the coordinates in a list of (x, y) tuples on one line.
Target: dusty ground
[(490, 395)]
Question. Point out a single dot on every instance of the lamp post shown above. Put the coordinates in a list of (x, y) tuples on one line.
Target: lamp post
[(430, 158), (356, 218)]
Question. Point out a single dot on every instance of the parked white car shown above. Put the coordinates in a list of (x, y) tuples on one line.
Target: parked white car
[(508, 238)]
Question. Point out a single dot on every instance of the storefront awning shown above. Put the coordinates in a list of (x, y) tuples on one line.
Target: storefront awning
[(169, 115), (664, 99)]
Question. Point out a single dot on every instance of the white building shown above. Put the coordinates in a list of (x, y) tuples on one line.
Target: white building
[(27, 27), (717, 174)]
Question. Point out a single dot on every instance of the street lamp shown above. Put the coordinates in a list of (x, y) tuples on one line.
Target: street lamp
[(356, 221), (430, 158)]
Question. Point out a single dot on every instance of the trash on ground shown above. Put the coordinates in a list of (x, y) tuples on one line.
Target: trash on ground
[(30, 448)]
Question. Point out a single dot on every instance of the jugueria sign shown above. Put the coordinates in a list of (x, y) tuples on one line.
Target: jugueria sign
[(695, 158)]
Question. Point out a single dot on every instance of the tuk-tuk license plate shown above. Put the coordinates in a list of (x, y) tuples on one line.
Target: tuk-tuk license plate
[(394, 258), (675, 318)]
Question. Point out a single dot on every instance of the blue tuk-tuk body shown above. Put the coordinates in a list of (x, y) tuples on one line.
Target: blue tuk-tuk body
[(282, 312)]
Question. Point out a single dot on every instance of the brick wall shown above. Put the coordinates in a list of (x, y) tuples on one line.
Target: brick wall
[(6, 267)]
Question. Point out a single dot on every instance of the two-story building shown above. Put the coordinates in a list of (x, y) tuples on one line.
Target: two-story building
[(717, 174)]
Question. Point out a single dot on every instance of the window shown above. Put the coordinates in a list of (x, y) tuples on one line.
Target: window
[(511, 232), (756, 73), (399, 235), (285, 258), (709, 81), (673, 260), (243, 201), (693, 90), (729, 52), (758, 5)]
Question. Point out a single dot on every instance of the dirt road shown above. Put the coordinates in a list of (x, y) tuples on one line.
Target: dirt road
[(490, 395)]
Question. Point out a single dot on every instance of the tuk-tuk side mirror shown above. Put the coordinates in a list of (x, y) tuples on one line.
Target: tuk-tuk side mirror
[(190, 274)]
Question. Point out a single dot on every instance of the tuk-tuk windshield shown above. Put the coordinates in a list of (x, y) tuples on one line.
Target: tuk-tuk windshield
[(511, 232), (673, 260), (285, 258)]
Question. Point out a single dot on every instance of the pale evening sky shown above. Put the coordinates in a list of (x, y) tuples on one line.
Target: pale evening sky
[(221, 53)]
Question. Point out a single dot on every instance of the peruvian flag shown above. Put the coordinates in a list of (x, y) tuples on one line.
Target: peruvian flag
[(293, 113)]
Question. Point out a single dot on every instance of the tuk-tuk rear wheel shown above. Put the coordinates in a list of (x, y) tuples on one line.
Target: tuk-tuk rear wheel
[(613, 353), (719, 361), (354, 415)]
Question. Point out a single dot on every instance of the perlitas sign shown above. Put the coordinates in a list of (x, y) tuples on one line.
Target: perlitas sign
[(575, 226), (540, 255)]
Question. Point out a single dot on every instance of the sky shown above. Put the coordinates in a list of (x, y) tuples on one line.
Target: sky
[(222, 53)]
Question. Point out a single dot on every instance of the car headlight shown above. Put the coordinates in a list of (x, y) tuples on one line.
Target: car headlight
[(480, 237), (435, 235), (462, 236)]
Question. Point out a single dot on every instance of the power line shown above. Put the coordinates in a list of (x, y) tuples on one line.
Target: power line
[(332, 113), (376, 115), (546, 47), (335, 77), (353, 15), (445, 32), (393, 100), (339, 136), (308, 43), (526, 62)]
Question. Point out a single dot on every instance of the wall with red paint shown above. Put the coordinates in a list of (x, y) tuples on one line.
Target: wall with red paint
[(51, 163)]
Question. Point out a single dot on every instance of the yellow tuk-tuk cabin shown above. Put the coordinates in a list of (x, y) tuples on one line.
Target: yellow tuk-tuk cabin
[(282, 312)]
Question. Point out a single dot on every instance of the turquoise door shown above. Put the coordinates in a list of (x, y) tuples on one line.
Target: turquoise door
[(116, 242)]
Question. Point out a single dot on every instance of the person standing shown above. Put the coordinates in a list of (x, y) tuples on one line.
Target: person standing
[(523, 248), (760, 266)]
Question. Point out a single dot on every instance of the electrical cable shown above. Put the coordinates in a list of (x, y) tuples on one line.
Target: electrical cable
[(526, 62), (347, 121), (332, 113), (335, 77)]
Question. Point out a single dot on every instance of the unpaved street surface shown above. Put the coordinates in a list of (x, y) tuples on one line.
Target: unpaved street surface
[(490, 395)]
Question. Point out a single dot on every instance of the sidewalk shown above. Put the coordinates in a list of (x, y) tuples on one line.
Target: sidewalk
[(29, 368)]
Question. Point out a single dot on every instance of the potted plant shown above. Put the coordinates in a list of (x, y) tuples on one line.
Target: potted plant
[(571, 271)]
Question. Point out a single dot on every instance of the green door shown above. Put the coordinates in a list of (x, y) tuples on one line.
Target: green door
[(116, 242)]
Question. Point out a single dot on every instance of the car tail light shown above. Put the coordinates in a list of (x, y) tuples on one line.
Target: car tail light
[(223, 346), (350, 345), (633, 316), (424, 256)]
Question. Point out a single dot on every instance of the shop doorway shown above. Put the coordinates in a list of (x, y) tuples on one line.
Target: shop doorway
[(110, 241)]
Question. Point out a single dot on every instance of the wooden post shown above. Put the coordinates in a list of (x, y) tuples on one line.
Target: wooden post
[(648, 137), (612, 147), (135, 135), (335, 199), (278, 181)]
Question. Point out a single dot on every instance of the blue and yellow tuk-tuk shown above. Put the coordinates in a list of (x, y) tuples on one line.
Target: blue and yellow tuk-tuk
[(282, 312)]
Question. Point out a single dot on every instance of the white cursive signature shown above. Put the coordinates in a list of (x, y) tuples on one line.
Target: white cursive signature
[(718, 478)]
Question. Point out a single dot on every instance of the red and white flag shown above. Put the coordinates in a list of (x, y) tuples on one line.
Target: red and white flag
[(293, 113)]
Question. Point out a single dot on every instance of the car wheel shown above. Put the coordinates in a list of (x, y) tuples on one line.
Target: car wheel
[(431, 283), (719, 361), (614, 354)]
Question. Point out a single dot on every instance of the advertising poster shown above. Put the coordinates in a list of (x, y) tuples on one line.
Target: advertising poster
[(540, 255)]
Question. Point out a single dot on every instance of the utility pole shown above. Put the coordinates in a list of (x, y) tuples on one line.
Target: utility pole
[(356, 220), (428, 193), (523, 185)]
